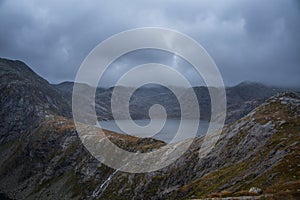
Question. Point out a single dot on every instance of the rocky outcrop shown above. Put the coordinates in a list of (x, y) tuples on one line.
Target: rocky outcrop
[(255, 190)]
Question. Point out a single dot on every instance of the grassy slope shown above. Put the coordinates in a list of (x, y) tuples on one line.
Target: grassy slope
[(280, 180)]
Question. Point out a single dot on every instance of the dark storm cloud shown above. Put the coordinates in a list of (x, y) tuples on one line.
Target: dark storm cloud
[(249, 40)]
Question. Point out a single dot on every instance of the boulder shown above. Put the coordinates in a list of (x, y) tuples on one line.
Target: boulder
[(255, 190)]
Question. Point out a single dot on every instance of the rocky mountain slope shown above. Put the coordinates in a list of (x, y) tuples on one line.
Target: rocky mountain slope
[(38, 140), (261, 149), (26, 99), (42, 156)]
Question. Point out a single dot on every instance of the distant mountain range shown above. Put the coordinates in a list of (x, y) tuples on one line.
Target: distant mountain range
[(42, 157), (241, 99)]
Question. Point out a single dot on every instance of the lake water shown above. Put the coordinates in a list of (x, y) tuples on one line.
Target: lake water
[(165, 134)]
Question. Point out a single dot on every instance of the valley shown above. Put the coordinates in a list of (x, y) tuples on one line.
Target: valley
[(42, 156)]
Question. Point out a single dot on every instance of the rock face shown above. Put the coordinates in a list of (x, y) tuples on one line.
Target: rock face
[(43, 158), (26, 100)]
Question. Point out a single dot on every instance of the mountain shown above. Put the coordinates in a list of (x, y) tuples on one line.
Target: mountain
[(39, 144), (241, 99), (42, 156), (244, 97), (26, 100), (261, 149)]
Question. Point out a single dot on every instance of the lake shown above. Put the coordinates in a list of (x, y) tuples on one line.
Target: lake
[(166, 134)]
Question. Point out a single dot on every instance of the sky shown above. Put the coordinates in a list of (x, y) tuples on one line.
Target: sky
[(249, 40)]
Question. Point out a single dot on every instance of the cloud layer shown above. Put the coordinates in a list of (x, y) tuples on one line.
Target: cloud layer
[(249, 40)]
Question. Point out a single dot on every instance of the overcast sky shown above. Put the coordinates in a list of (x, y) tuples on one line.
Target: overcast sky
[(255, 40)]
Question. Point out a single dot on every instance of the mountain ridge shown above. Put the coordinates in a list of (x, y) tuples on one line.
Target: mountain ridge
[(241, 99), (43, 157)]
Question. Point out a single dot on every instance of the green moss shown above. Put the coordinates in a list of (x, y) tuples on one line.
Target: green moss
[(73, 182), (13, 162), (211, 182), (68, 152), (46, 184), (234, 141), (8, 145)]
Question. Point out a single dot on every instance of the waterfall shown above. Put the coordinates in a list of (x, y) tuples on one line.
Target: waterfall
[(98, 192)]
